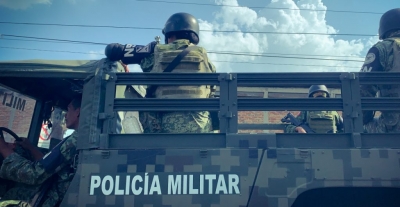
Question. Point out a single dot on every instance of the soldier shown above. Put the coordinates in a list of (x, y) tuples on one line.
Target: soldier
[(384, 56), (181, 32), (318, 121), (49, 177)]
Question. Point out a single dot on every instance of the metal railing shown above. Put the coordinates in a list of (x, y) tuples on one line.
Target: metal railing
[(228, 105)]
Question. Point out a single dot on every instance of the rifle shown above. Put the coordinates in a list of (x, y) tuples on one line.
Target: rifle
[(289, 118)]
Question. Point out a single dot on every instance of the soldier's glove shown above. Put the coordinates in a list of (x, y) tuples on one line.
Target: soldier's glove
[(114, 51)]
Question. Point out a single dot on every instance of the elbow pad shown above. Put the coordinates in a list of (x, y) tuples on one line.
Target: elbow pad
[(54, 159)]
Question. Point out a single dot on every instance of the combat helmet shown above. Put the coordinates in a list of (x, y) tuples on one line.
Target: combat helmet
[(390, 21), (181, 22), (315, 88)]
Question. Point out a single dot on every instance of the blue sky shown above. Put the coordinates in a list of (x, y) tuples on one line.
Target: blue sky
[(246, 18)]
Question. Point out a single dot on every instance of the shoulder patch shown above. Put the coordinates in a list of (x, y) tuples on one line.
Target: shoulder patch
[(369, 58), (145, 49)]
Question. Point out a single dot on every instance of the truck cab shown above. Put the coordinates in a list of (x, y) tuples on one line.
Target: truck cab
[(228, 167)]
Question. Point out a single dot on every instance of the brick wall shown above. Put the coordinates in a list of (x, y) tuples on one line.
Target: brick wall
[(261, 117), (251, 117)]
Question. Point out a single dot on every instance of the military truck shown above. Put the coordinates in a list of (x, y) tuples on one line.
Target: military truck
[(225, 168)]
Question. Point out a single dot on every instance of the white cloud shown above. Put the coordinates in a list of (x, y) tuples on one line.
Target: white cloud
[(22, 4), (284, 21), (77, 1), (96, 54)]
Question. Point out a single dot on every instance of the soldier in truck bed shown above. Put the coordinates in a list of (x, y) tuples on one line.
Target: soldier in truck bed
[(384, 56), (318, 121), (181, 32)]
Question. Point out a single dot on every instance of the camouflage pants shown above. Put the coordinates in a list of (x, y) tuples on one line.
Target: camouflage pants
[(176, 122), (13, 203), (17, 195), (19, 191), (386, 123), (151, 122)]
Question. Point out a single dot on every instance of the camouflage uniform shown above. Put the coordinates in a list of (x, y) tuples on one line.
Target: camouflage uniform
[(31, 176), (337, 126), (382, 57), (175, 122), (11, 203)]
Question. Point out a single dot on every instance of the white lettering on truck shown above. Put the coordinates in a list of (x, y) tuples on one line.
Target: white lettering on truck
[(151, 184)]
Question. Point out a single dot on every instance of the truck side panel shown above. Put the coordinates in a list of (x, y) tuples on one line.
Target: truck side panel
[(286, 173), (171, 177)]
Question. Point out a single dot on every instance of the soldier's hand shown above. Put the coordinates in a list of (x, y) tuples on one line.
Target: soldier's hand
[(300, 130), (25, 143), (5, 145)]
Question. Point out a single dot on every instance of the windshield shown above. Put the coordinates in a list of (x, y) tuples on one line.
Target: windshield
[(16, 113)]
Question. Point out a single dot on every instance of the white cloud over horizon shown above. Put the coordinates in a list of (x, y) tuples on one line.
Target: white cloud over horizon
[(25, 4), (241, 19), (22, 4), (282, 52), (96, 54)]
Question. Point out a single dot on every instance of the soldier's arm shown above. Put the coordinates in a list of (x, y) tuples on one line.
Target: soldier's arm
[(129, 53), (19, 169), (372, 63), (213, 87), (291, 128), (33, 150), (213, 70), (212, 66), (207, 60), (147, 63)]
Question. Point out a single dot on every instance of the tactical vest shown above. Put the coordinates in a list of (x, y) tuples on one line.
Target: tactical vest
[(391, 63), (195, 61), (322, 121)]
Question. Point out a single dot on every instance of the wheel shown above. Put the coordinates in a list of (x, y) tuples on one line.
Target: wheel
[(13, 134), (4, 129)]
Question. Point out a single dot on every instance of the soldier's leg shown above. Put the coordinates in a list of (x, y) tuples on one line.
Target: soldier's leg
[(393, 129), (390, 120), (186, 122), (375, 126), (150, 121), (396, 129), (131, 123), (20, 192)]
